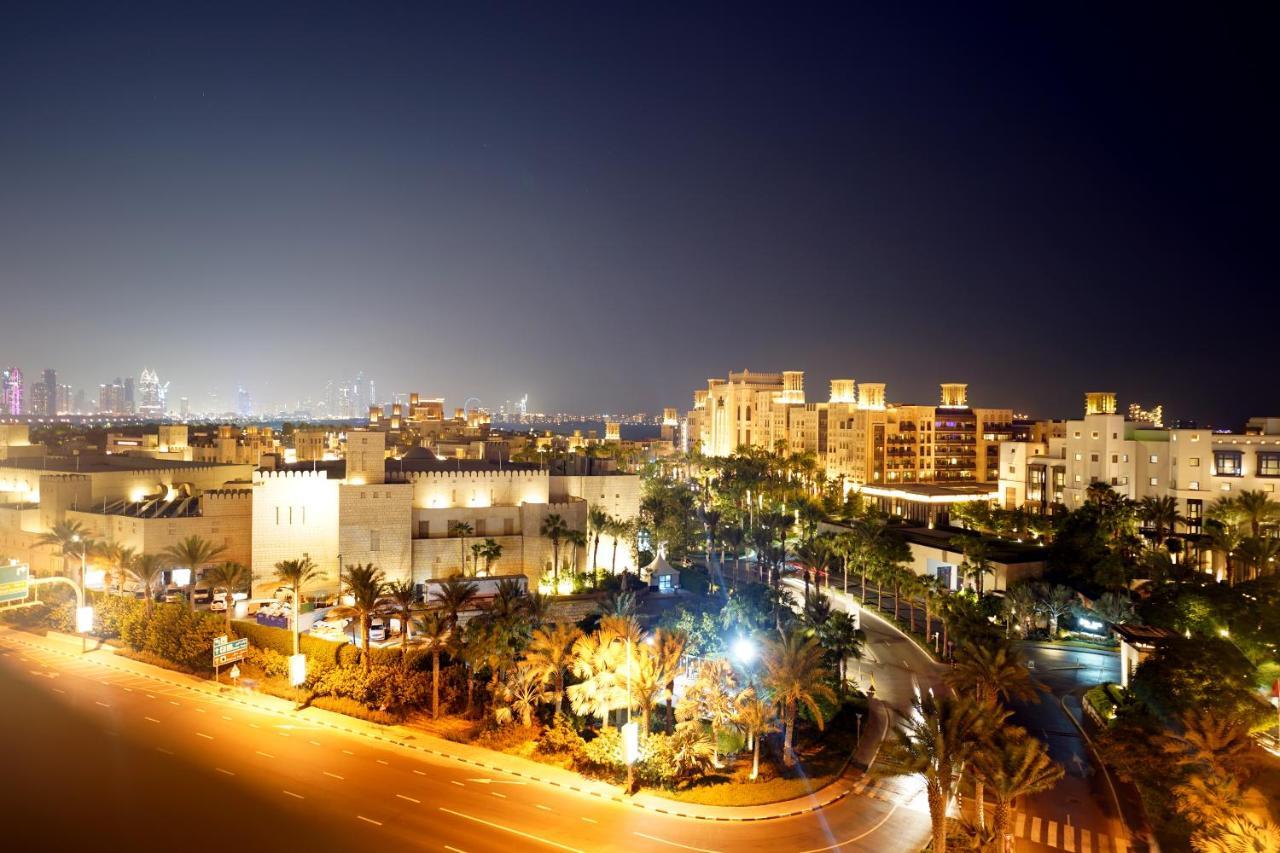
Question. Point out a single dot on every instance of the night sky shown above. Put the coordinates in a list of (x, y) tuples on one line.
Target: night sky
[(602, 207)]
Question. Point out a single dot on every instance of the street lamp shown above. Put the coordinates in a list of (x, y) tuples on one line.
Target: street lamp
[(745, 650)]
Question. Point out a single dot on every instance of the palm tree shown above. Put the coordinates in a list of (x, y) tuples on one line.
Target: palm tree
[(975, 564), (596, 659), (1055, 602), (598, 522), (492, 551), (756, 715), (991, 672), (813, 556), (554, 528), (1161, 515), (669, 647), (64, 536), (710, 698), (477, 550), (731, 537), (461, 530), (296, 574), (229, 577), (935, 743), (365, 584), (147, 570), (1238, 833), (1211, 742), (649, 678), (577, 540), (1012, 765), (1206, 797), (793, 671), (1257, 509), (192, 553), (118, 558), (1260, 554), (524, 692), (402, 595), (454, 596), (1226, 538), (434, 632), (840, 637), (550, 654)]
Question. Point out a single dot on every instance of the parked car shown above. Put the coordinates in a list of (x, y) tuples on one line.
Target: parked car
[(377, 630), (219, 602), (173, 595), (331, 629), (203, 595)]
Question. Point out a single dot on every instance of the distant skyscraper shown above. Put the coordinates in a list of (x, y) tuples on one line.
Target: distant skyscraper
[(244, 403), (38, 401), (111, 399), (128, 406), (51, 389), (151, 394), (10, 391), (184, 407), (77, 400)]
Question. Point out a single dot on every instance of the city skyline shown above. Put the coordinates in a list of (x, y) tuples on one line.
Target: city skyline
[(554, 204)]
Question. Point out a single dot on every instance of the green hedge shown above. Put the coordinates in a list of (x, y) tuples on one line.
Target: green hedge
[(320, 652)]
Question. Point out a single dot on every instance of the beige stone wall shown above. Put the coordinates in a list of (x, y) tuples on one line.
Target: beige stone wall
[(433, 490), (374, 527), (618, 495), (295, 514)]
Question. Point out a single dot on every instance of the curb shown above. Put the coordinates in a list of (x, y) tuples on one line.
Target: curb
[(1106, 774), (396, 741)]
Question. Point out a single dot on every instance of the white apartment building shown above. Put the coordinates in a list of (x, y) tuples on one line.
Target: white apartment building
[(1196, 466)]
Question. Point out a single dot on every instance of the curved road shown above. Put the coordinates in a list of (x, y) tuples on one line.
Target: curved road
[(95, 753)]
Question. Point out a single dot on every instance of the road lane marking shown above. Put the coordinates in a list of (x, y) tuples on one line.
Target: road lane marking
[(149, 696), (380, 761), (165, 751), (175, 704), (410, 799), (224, 770), (589, 820), (347, 752), (57, 690), (454, 849), (203, 735), (333, 775), (420, 773), (199, 710), (292, 794), (456, 782), (225, 717), (283, 734), (103, 704), (674, 843), (264, 754), (544, 808), (253, 725), (861, 836), (522, 834), (500, 796), (314, 742), (151, 719), (369, 820)]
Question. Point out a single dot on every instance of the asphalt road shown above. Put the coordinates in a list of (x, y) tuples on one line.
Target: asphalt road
[(100, 758)]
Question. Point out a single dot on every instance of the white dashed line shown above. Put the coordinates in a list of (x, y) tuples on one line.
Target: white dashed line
[(253, 725), (499, 796), (544, 808), (420, 773), (589, 820), (380, 761), (292, 794), (225, 717), (283, 734), (151, 719), (203, 735), (149, 696), (314, 742), (199, 710), (347, 752), (58, 690), (369, 820), (332, 775), (456, 782), (103, 704), (410, 799), (454, 849), (175, 704), (225, 771), (264, 754), (165, 751)]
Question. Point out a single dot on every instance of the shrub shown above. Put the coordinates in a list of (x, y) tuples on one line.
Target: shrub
[(382, 687), (271, 662), (507, 738), (352, 708), (604, 751), (561, 739), (112, 612)]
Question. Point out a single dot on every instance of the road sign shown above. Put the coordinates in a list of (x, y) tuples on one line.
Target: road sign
[(229, 652), (14, 582)]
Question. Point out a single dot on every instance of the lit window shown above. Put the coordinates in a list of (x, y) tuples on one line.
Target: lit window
[(1154, 459), (1268, 464), (1077, 478), (1226, 487), (1154, 481), (1078, 457), (1195, 485), (1194, 461), (1228, 463)]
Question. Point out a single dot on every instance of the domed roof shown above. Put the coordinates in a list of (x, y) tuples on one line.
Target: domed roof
[(419, 453)]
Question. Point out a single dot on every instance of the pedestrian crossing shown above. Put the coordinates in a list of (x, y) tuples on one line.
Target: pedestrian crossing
[(1064, 836)]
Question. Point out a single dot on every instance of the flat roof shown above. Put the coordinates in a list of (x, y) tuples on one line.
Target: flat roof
[(931, 492), (103, 463)]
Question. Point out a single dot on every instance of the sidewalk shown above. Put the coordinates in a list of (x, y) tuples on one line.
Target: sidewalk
[(853, 780)]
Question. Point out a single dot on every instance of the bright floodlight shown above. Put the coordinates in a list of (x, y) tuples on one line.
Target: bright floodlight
[(745, 650)]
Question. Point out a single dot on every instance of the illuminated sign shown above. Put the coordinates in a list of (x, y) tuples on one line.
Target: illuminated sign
[(14, 582)]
